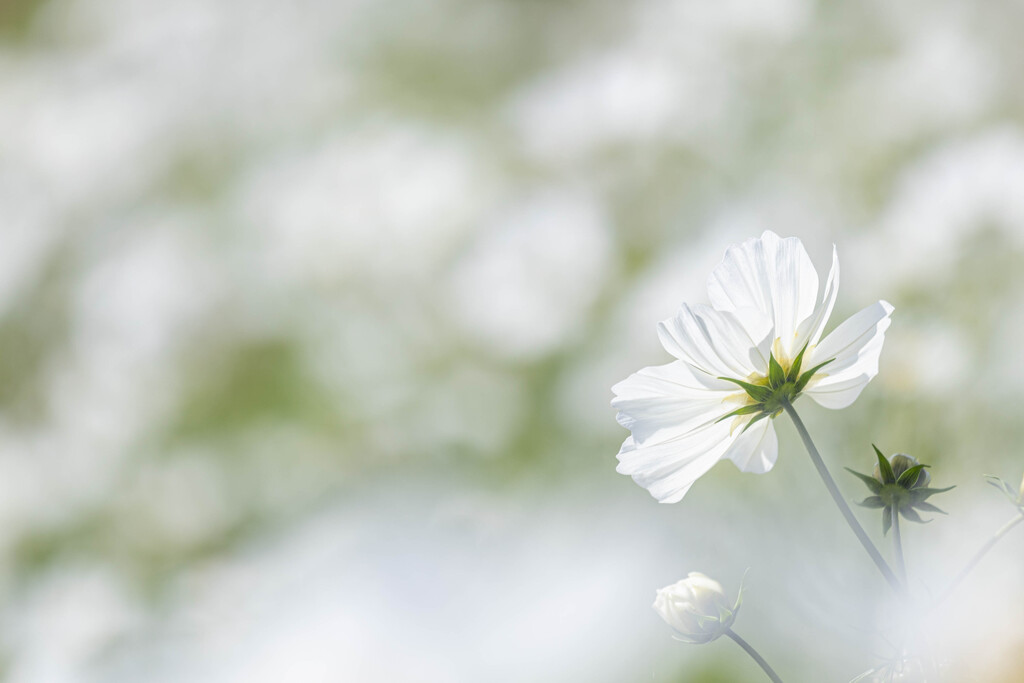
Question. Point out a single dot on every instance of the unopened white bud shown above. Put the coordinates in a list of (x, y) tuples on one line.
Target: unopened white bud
[(696, 608)]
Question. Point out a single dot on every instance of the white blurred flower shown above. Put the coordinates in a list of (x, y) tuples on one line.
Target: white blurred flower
[(696, 608), (740, 360)]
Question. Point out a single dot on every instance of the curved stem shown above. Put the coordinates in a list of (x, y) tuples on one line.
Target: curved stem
[(754, 655), (1003, 530), (830, 484), (897, 545)]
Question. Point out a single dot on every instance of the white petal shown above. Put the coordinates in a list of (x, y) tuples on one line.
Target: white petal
[(846, 341), (775, 276), (811, 328), (756, 449), (717, 343), (666, 401), (699, 582), (840, 390), (855, 347), (840, 395), (668, 469), (760, 331)]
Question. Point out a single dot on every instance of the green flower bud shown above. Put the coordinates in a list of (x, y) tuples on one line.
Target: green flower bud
[(899, 484), (900, 463)]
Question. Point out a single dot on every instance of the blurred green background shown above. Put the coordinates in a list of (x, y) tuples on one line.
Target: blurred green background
[(309, 314)]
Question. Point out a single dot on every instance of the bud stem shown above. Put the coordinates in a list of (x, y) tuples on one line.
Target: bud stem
[(830, 484), (897, 545), (1003, 530), (748, 648)]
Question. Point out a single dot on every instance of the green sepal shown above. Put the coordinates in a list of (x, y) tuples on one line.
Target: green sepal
[(689, 640), (910, 476), (918, 495), (776, 375), (930, 508), (908, 513), (756, 392), (886, 520), (806, 377), (756, 419), (704, 618), (872, 502), (745, 410), (884, 468), (895, 495), (794, 369), (1005, 488), (998, 482), (873, 484), (739, 593)]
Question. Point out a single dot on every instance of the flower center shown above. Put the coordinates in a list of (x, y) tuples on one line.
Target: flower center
[(767, 396)]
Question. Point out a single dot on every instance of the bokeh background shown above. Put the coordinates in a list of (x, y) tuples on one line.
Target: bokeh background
[(310, 310)]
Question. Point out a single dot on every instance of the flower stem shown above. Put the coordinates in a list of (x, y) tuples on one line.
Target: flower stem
[(897, 545), (1003, 530), (830, 484), (748, 648)]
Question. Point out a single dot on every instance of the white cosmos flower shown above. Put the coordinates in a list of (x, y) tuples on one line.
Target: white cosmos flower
[(684, 417)]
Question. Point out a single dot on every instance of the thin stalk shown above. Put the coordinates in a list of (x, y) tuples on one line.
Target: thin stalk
[(897, 545), (748, 648), (1003, 530), (830, 484)]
